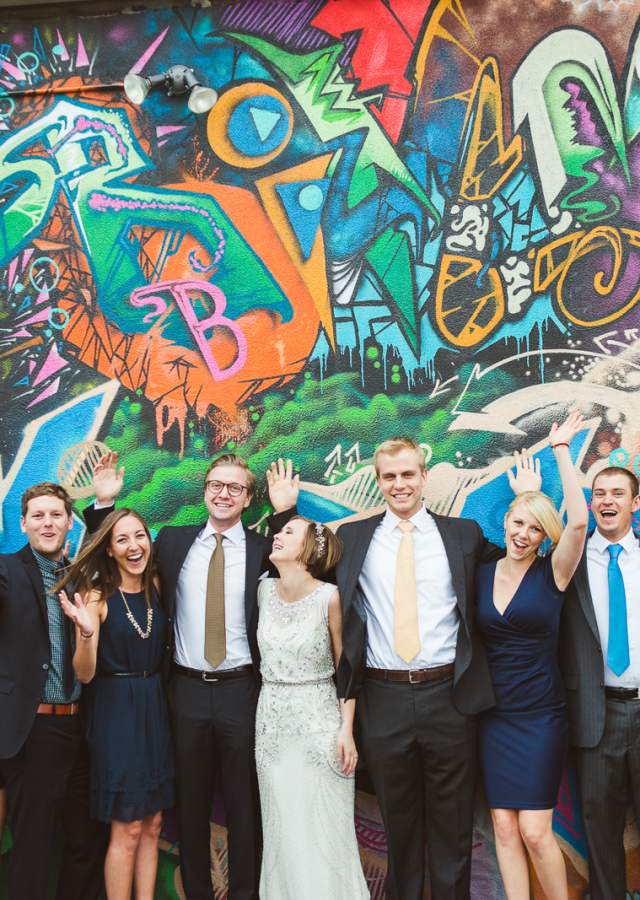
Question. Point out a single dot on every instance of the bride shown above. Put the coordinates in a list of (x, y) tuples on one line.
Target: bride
[(305, 752)]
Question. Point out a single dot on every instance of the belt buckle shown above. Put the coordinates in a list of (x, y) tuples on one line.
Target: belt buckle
[(209, 677), (411, 679)]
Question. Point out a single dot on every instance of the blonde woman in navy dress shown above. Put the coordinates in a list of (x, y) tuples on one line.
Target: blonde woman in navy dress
[(121, 633), (523, 740)]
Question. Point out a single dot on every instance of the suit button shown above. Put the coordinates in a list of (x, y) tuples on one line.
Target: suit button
[(45, 666), (602, 684)]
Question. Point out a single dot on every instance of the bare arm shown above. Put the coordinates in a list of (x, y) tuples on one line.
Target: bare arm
[(347, 754), (566, 555), (86, 612)]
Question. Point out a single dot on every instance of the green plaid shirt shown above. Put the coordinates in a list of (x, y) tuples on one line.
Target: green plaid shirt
[(53, 691)]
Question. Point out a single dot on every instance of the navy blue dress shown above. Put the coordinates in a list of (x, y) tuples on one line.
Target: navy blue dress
[(523, 740), (132, 772)]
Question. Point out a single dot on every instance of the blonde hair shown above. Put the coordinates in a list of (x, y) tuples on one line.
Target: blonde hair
[(542, 508), (232, 459), (395, 445)]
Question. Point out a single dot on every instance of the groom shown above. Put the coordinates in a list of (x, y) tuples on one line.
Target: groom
[(209, 575), (414, 661)]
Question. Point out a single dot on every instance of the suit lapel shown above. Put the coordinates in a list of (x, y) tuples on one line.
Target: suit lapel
[(254, 553), (355, 555), (447, 529), (35, 577), (581, 585)]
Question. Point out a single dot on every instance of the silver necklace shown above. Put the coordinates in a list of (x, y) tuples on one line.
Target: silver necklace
[(130, 616)]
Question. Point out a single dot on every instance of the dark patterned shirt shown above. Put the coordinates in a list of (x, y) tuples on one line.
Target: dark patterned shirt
[(54, 692)]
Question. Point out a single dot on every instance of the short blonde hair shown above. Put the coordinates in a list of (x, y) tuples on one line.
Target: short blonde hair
[(395, 445), (543, 510), (232, 459), (321, 548)]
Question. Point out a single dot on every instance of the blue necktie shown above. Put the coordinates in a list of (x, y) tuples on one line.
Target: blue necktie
[(618, 648)]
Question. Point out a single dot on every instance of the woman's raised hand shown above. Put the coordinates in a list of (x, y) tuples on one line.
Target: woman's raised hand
[(564, 433), (526, 475), (77, 611)]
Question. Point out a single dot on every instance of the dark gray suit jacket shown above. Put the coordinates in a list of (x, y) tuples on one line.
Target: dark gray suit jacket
[(582, 662), (466, 548), (25, 647)]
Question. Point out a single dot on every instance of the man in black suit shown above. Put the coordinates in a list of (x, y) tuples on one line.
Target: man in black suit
[(600, 656), (43, 755), (416, 665), (209, 576)]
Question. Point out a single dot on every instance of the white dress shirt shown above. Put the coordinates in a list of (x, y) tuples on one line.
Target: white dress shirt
[(191, 600), (597, 568), (438, 616)]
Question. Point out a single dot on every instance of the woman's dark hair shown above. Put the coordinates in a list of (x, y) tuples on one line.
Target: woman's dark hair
[(95, 569)]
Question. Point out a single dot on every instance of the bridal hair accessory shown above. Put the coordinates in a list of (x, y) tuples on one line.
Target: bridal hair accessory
[(321, 541)]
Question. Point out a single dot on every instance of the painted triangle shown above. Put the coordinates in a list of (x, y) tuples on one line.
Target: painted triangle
[(303, 202), (264, 120)]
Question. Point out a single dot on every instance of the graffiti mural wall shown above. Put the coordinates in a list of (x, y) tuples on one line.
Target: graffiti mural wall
[(401, 216)]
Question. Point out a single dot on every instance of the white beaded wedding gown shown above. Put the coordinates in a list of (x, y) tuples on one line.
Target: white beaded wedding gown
[(310, 847)]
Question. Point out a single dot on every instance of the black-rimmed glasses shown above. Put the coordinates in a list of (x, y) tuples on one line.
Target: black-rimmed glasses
[(234, 489)]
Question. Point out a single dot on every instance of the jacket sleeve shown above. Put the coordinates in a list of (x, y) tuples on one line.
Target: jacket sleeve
[(94, 518)]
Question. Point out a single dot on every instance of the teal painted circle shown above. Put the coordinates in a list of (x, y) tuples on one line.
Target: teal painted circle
[(44, 274), (63, 318), (618, 457), (258, 125), (28, 67), (310, 197), (7, 106)]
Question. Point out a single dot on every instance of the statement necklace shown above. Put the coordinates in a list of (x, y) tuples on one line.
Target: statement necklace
[(130, 616)]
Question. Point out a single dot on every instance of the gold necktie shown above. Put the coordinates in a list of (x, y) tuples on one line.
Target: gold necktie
[(215, 644), (407, 635)]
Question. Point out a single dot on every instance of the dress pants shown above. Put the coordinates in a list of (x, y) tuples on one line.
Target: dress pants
[(421, 755), (46, 780), (609, 777), (214, 728)]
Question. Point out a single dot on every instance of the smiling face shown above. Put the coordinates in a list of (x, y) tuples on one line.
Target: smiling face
[(130, 546), (402, 479), (613, 505), (288, 543), (46, 524), (523, 533), (225, 503)]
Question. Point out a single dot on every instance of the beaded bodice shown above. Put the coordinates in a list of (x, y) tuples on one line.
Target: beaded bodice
[(294, 639)]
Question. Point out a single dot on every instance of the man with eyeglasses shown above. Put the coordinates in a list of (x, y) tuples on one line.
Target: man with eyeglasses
[(209, 575)]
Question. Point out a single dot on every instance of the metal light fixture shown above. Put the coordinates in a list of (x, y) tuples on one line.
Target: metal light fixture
[(176, 80)]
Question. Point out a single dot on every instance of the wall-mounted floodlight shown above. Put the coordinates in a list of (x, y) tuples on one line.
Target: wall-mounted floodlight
[(176, 80)]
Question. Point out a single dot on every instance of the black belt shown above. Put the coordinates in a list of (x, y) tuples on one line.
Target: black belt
[(620, 693), (412, 676), (218, 675), (144, 674)]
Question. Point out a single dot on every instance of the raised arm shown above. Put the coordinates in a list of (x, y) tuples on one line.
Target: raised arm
[(85, 612), (567, 553), (283, 485), (346, 751), (107, 483)]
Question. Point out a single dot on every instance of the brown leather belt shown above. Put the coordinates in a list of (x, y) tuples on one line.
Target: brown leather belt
[(58, 709), (620, 693), (412, 676), (218, 675)]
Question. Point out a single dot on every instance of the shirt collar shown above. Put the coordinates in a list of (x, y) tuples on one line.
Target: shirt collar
[(421, 520), (600, 543), (45, 564), (235, 534)]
